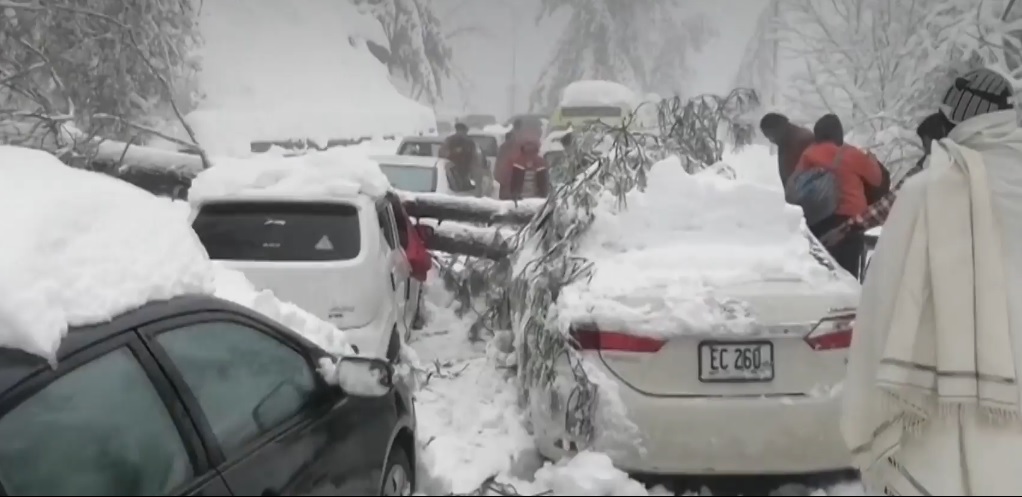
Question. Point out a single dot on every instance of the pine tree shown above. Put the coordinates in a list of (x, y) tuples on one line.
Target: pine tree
[(613, 40), (418, 52)]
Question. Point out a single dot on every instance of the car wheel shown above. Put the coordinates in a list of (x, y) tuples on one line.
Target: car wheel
[(397, 476)]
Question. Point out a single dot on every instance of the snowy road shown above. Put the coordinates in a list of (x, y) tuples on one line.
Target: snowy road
[(471, 431)]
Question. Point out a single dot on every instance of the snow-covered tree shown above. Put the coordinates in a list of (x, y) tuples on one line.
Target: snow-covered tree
[(102, 67), (418, 50), (882, 65), (758, 69), (643, 44)]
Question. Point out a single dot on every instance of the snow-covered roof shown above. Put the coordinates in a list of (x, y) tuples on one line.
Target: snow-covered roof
[(686, 239), (596, 93), (334, 173), (81, 248), (295, 70)]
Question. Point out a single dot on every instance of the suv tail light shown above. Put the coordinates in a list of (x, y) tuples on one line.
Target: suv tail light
[(590, 339), (834, 332)]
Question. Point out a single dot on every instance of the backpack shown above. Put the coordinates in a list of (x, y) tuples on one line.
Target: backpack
[(816, 190)]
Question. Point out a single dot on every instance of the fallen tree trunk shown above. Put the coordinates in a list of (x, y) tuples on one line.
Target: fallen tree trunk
[(469, 209), (473, 241)]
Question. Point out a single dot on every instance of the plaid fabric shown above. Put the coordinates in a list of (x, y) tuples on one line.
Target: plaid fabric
[(874, 216)]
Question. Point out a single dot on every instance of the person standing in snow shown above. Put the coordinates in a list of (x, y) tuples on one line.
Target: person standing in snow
[(791, 141), (931, 401), (933, 127), (832, 182), (460, 149), (529, 176), (502, 168)]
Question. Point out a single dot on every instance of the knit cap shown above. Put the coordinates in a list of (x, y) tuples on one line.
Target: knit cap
[(978, 92)]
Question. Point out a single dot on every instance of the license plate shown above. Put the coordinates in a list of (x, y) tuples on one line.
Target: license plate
[(736, 362)]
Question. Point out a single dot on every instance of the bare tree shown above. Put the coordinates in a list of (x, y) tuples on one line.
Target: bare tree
[(74, 73)]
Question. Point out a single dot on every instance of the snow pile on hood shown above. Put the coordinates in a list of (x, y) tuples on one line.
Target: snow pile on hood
[(665, 262), (81, 247), (299, 69), (338, 172), (597, 93)]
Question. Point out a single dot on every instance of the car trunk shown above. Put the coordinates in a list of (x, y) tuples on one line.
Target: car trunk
[(798, 347), (310, 254)]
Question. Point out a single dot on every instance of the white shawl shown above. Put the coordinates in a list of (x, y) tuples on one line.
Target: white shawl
[(933, 330)]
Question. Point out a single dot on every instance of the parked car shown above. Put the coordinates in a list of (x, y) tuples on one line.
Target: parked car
[(421, 146), (704, 398), (489, 143), (341, 257), (197, 396), (478, 120), (137, 377), (423, 175)]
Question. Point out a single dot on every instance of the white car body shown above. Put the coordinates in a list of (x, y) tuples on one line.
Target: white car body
[(489, 142), (368, 291), (693, 420), (412, 173)]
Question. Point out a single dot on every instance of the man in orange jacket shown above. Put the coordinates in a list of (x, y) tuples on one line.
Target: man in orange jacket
[(845, 174)]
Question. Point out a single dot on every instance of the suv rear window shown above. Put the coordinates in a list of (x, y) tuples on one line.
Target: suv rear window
[(279, 231)]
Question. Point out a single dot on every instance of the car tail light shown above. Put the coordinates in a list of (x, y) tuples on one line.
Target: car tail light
[(588, 339), (834, 332)]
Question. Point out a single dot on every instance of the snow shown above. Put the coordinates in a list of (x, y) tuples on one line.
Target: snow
[(300, 69), (472, 434), (665, 262), (339, 172), (80, 247), (597, 93)]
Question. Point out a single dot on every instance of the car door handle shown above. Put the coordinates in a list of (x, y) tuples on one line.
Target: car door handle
[(393, 284)]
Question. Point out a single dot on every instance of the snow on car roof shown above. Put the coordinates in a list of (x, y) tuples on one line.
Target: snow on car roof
[(334, 173), (661, 261), (81, 247), (596, 93)]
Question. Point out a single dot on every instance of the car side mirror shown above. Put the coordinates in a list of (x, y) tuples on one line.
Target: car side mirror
[(425, 232), (364, 376)]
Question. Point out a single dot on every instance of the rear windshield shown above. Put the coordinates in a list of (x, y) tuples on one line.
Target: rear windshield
[(410, 178), (279, 231), (571, 112), (487, 143), (420, 149)]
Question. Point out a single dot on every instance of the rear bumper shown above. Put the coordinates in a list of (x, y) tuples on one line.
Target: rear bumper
[(713, 435)]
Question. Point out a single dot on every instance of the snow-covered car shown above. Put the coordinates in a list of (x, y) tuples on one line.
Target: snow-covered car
[(421, 146), (422, 175), (318, 231), (714, 328), (489, 143), (131, 364)]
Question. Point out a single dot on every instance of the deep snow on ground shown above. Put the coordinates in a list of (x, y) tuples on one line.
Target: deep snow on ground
[(471, 431)]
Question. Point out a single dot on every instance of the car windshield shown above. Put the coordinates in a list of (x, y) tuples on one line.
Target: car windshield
[(279, 231), (571, 112), (420, 148), (410, 178), (487, 143)]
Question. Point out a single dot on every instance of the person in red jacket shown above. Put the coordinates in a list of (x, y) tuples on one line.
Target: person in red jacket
[(528, 175), (857, 175)]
